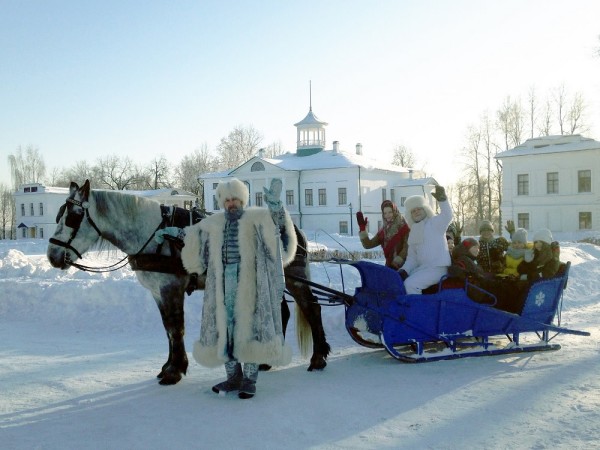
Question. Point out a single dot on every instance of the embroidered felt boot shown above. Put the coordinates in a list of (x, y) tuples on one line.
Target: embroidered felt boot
[(234, 378), (248, 387)]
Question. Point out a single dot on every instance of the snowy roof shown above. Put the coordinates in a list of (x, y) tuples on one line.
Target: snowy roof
[(551, 144), (325, 159), (330, 159), (310, 119), (161, 193)]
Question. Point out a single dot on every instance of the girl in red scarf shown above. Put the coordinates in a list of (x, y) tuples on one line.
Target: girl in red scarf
[(392, 236)]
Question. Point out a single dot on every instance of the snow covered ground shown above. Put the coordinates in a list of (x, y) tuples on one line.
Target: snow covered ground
[(80, 352)]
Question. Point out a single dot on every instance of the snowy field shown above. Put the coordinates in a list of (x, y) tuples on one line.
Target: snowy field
[(80, 353)]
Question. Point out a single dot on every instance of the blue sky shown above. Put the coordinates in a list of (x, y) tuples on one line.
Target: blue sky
[(85, 79)]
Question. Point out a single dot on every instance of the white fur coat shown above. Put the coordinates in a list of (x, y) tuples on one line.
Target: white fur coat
[(258, 334)]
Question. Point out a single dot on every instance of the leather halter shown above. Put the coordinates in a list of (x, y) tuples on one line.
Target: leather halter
[(73, 220)]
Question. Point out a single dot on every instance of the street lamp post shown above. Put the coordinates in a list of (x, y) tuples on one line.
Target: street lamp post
[(351, 226)]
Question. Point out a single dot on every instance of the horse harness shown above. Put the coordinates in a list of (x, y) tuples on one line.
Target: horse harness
[(172, 217)]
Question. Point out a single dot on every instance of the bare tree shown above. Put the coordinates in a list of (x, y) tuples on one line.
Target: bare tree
[(575, 115), (274, 149), (560, 100), (239, 146), (116, 173), (532, 102), (545, 124), (26, 166), (7, 212), (473, 170), (403, 156), (191, 167), (158, 173)]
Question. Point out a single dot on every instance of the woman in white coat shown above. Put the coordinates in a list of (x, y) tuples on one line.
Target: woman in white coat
[(428, 258)]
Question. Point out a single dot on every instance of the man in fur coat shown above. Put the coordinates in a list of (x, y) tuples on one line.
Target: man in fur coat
[(243, 251), (428, 257)]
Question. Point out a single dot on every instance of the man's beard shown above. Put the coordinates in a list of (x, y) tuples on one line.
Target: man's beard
[(234, 213)]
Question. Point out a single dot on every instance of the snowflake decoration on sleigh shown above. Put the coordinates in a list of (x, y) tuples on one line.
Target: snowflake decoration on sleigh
[(540, 298)]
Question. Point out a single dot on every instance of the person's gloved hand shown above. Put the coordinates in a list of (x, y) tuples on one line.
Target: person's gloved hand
[(510, 227), (272, 195), (274, 203), (193, 284), (403, 274), (362, 221), (439, 194)]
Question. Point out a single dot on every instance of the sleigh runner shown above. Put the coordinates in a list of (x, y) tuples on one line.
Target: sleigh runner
[(448, 324)]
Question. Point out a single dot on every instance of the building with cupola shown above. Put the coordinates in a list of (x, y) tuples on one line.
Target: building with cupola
[(323, 188)]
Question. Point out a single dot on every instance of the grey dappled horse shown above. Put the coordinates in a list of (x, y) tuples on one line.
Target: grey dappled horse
[(129, 223)]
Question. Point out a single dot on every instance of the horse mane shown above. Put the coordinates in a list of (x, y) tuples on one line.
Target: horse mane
[(128, 204)]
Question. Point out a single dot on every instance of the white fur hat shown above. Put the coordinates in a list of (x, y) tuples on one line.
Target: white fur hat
[(233, 188), (543, 235), (416, 201), (520, 235)]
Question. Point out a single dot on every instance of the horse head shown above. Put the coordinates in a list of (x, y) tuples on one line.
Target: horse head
[(76, 232)]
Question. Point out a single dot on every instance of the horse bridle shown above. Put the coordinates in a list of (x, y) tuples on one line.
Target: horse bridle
[(74, 220)]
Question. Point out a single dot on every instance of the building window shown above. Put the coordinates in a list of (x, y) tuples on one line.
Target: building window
[(585, 220), (31, 212), (289, 197), (24, 232), (402, 200), (584, 180), (343, 227), (523, 220), (552, 183), (41, 233), (523, 184), (257, 167), (342, 199), (259, 198), (215, 204), (322, 197), (22, 209), (41, 209), (383, 194), (392, 195), (27, 189), (34, 189), (308, 197), (215, 185)]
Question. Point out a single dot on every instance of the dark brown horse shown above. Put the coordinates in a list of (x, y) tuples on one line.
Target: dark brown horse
[(132, 223)]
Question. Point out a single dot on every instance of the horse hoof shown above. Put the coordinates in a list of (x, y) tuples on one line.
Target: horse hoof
[(319, 364), (264, 367), (170, 379)]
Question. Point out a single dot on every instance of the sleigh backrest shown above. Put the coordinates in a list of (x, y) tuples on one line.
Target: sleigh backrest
[(544, 296)]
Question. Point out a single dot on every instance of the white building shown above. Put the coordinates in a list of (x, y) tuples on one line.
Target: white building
[(549, 182), (323, 189), (37, 206)]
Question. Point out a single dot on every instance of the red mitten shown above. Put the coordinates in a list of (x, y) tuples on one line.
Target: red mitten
[(362, 221)]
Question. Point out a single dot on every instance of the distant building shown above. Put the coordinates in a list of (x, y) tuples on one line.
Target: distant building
[(323, 189), (551, 182), (37, 206)]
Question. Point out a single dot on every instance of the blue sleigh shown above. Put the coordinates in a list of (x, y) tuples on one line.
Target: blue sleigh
[(448, 324)]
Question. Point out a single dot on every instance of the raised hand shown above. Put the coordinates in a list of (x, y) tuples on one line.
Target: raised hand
[(439, 194), (362, 221), (510, 227)]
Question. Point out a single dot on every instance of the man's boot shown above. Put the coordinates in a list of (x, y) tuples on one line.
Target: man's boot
[(248, 387), (234, 378)]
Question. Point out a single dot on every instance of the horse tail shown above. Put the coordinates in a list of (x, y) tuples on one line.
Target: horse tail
[(303, 333)]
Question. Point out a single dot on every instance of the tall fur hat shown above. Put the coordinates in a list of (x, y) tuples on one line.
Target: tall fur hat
[(233, 188), (415, 201), (520, 235), (543, 235)]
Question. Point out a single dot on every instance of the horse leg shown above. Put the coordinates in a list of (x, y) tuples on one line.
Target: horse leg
[(311, 310), (170, 305)]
